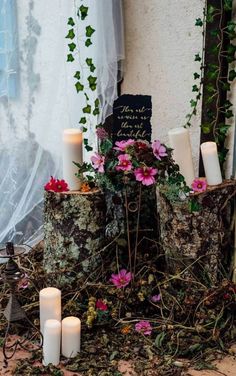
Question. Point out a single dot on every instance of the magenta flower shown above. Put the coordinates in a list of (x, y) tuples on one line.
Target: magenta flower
[(98, 162), (156, 298), (124, 163), (199, 185), (101, 133), (144, 327), (121, 279), (145, 175), (122, 145), (101, 305), (159, 150)]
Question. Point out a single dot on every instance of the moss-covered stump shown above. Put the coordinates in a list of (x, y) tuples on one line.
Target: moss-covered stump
[(74, 230), (195, 233)]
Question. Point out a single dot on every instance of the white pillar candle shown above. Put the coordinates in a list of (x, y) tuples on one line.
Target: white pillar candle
[(211, 163), (49, 305), (182, 152), (71, 332), (72, 152), (52, 342)]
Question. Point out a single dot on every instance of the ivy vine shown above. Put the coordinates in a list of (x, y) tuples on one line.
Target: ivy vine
[(85, 78), (218, 107)]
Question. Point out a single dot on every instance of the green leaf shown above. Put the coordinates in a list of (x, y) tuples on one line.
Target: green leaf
[(82, 12), (206, 128), (193, 103), (84, 129), (83, 120), (222, 155), (88, 42), (70, 57), (96, 111), (232, 75), (89, 31), (79, 86), (227, 104), (96, 102), (212, 75), (231, 49), (72, 46), (92, 82), (89, 61), (106, 146), (195, 88), (86, 96), (196, 76), (92, 68), (214, 33), (70, 21), (198, 22), (223, 129), (229, 114), (87, 109), (77, 75), (159, 339), (226, 86), (210, 88), (194, 206), (88, 148), (70, 34), (197, 57), (228, 4)]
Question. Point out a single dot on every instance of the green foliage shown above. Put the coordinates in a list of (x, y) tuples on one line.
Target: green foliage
[(72, 46), (194, 206), (70, 34), (89, 31), (82, 12), (71, 22), (199, 22), (70, 57)]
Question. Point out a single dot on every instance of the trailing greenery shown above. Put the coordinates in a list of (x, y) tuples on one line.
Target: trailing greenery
[(217, 113), (85, 78)]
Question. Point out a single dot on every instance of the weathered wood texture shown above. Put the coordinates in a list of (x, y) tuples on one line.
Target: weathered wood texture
[(74, 231), (199, 238)]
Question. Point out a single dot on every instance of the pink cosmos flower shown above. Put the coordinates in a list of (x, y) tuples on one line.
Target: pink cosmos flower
[(101, 305), (199, 185), (144, 327), (156, 298), (121, 279), (124, 163), (98, 162), (159, 150), (145, 175), (122, 145)]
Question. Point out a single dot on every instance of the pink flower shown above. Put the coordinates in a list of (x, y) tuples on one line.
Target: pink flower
[(124, 163), (144, 327), (121, 279), (98, 162), (199, 185), (49, 186), (24, 283), (101, 305), (122, 145), (145, 175), (159, 150), (56, 185), (101, 133), (156, 298)]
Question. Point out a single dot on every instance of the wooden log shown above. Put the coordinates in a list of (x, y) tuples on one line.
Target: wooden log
[(197, 238), (74, 232)]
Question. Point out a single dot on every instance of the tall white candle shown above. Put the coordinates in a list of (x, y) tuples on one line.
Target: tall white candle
[(52, 342), (211, 163), (72, 152), (182, 152), (49, 305), (71, 333)]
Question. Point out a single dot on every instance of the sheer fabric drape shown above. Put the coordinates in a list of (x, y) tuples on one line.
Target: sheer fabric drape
[(32, 121)]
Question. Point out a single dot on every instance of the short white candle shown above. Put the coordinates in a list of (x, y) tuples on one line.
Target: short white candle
[(72, 152), (71, 333), (52, 342), (182, 152), (49, 305), (211, 163)]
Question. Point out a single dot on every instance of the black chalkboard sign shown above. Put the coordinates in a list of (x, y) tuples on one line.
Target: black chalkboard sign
[(132, 118)]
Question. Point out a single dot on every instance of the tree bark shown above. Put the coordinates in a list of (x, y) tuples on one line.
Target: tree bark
[(74, 232), (198, 238)]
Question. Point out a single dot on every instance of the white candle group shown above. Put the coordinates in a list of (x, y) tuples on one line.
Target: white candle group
[(211, 163), (182, 152), (72, 152), (49, 306), (71, 329), (52, 342)]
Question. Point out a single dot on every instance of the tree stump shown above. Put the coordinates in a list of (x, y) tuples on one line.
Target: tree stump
[(194, 242), (74, 232)]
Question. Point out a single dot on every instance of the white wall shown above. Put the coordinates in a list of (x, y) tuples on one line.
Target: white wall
[(161, 41)]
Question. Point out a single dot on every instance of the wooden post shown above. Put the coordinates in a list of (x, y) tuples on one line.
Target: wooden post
[(74, 232), (197, 237)]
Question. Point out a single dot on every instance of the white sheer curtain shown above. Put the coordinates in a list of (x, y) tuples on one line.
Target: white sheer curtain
[(45, 102)]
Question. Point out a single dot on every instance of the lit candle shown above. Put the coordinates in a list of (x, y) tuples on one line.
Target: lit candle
[(49, 305), (211, 163), (71, 332), (52, 342), (182, 152), (72, 152)]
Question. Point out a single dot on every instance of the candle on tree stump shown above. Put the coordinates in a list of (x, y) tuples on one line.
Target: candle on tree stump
[(182, 152), (52, 342), (49, 305), (72, 152), (211, 163), (71, 332)]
